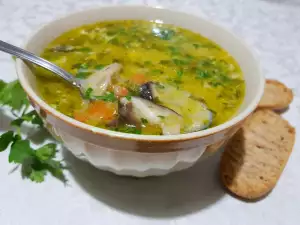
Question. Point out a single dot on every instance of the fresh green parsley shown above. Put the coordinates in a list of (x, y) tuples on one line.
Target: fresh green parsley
[(5, 140), (13, 95), (2, 85), (30, 117), (35, 163)]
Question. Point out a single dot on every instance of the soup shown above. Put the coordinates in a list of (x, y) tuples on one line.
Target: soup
[(144, 77)]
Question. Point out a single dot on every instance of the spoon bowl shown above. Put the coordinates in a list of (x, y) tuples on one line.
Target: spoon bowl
[(30, 57)]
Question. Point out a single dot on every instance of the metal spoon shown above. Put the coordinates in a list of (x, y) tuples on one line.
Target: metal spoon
[(28, 56)]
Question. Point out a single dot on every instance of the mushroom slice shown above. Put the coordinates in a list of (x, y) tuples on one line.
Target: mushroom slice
[(138, 109), (199, 117), (163, 92), (147, 91), (100, 80), (195, 113)]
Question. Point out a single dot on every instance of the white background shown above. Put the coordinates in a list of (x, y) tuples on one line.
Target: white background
[(195, 196)]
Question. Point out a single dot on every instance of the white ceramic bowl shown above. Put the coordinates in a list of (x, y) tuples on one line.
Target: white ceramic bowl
[(141, 155)]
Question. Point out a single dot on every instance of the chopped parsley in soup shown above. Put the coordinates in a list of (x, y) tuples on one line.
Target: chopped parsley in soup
[(142, 77)]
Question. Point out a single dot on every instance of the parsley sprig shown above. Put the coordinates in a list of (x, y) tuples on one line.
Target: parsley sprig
[(35, 163)]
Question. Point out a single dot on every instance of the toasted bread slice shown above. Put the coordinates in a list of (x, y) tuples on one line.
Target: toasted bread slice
[(276, 96), (255, 157)]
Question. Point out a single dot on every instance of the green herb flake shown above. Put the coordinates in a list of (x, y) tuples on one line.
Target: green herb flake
[(129, 129), (179, 73), (160, 86), (176, 81), (190, 57), (128, 97), (108, 97), (81, 66), (207, 62), (200, 74), (214, 83), (133, 130), (147, 63), (144, 121), (82, 75), (174, 51), (88, 93), (162, 117), (157, 71), (114, 41), (84, 66), (179, 62), (196, 46), (99, 67), (165, 62)]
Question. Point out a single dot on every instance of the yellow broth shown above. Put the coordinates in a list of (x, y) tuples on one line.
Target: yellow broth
[(162, 53)]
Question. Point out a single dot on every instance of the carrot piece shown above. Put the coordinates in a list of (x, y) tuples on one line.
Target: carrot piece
[(80, 116), (139, 79), (97, 112), (120, 91), (101, 110)]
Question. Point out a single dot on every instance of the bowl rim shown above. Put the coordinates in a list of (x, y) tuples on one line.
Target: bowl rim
[(139, 137)]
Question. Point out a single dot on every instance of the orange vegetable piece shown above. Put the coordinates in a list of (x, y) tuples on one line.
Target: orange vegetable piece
[(80, 116), (97, 111), (139, 79), (102, 110)]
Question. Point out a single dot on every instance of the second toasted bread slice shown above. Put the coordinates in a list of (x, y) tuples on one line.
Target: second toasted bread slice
[(276, 96)]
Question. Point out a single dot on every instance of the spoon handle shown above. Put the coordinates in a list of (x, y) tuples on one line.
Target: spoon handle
[(28, 56)]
